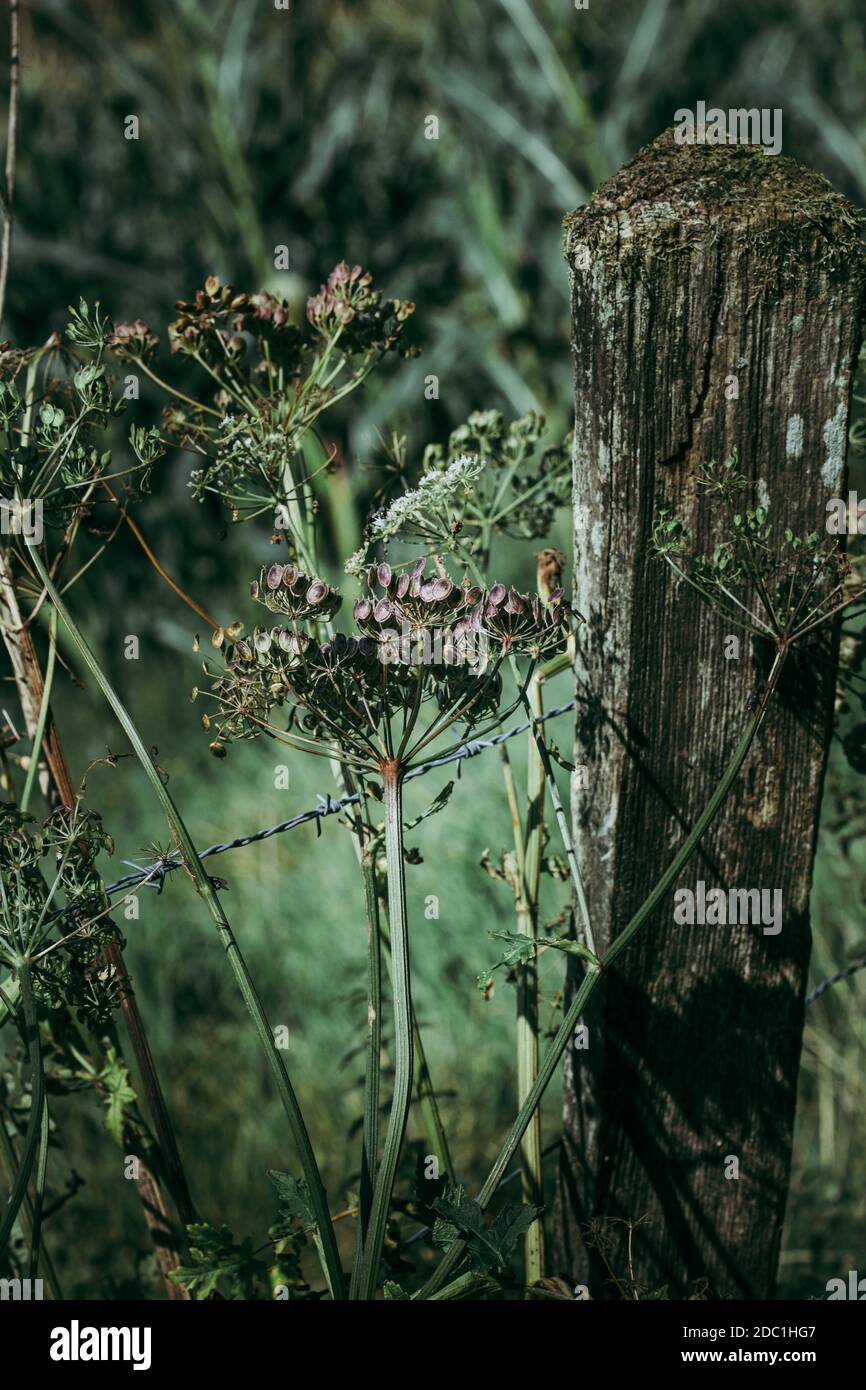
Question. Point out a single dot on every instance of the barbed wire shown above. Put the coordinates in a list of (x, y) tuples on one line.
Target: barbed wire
[(156, 874), (845, 974)]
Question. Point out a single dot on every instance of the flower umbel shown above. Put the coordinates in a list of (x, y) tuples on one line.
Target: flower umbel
[(363, 694), (771, 583)]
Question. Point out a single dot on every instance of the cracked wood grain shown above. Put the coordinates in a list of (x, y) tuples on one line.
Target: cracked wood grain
[(695, 265)]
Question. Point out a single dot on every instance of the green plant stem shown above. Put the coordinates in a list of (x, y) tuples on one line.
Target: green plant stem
[(330, 1255), (594, 971), (172, 390), (43, 712), (528, 853), (424, 1090), (431, 1117), (528, 885), (372, 1073), (378, 940), (41, 1173), (469, 1285), (403, 1040), (533, 712), (527, 880), (9, 1169), (428, 1105), (37, 1100), (513, 807)]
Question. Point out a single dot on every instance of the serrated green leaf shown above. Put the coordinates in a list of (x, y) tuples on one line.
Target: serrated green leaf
[(487, 1246), (509, 1224), (295, 1204), (219, 1265), (114, 1078)]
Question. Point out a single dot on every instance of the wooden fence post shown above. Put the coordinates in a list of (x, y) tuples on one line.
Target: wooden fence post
[(717, 300)]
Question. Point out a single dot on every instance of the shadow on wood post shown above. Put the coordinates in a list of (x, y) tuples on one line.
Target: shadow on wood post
[(717, 300)]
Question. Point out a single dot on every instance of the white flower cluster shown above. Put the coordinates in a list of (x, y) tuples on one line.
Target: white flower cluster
[(357, 563), (435, 489)]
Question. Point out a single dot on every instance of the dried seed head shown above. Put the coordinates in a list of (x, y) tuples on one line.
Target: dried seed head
[(317, 592), (383, 611), (284, 589), (341, 690), (441, 589)]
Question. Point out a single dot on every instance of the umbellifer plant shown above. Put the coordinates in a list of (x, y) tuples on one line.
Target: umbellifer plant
[(426, 658), (53, 404)]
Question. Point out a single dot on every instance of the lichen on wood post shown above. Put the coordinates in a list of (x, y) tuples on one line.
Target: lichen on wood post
[(717, 302)]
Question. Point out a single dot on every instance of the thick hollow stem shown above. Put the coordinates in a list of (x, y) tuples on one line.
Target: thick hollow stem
[(379, 947), (403, 1041), (378, 944), (370, 1155)]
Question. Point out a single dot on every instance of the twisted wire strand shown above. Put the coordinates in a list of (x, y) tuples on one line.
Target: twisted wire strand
[(326, 806), (849, 970), (155, 875)]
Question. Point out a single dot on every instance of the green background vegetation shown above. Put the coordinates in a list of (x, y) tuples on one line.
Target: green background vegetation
[(307, 128)]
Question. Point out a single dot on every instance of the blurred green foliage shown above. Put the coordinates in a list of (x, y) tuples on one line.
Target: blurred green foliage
[(308, 128)]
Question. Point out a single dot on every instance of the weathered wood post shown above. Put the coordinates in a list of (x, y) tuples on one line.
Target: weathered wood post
[(717, 295)]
